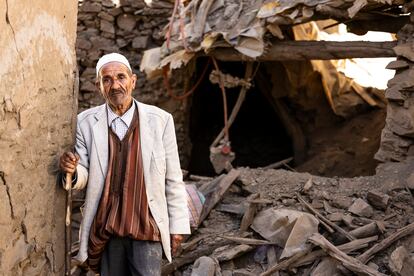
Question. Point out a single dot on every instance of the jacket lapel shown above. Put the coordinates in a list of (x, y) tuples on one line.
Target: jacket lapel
[(100, 138), (146, 136)]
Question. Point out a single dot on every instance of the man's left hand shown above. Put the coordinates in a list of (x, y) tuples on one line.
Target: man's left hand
[(176, 240)]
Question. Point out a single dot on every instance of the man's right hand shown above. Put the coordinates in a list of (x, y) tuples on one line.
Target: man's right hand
[(68, 162)]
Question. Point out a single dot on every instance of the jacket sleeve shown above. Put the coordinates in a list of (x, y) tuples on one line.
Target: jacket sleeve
[(175, 187), (83, 165)]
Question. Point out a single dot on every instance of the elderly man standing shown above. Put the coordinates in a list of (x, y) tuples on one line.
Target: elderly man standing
[(127, 157)]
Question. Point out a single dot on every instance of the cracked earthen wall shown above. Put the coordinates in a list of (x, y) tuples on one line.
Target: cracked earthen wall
[(38, 100)]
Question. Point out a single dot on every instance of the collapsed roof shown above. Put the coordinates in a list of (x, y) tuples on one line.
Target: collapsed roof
[(250, 26)]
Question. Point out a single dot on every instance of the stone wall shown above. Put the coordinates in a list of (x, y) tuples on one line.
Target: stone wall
[(37, 107), (397, 139), (129, 28)]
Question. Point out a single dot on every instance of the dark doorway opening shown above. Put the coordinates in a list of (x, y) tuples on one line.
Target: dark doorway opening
[(257, 135)]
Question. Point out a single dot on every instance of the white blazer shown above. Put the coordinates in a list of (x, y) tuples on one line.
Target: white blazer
[(165, 188)]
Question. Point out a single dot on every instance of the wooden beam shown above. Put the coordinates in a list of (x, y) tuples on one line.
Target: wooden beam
[(349, 262), (383, 24), (221, 187), (311, 50), (385, 243), (366, 21)]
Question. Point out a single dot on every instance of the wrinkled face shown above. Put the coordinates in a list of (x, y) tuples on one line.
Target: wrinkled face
[(116, 83)]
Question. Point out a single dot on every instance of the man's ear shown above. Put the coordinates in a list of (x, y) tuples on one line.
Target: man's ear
[(134, 80), (98, 86)]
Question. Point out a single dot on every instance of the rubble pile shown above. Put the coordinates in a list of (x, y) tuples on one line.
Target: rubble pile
[(276, 222)]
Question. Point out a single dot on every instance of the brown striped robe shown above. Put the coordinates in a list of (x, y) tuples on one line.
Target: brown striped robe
[(123, 209)]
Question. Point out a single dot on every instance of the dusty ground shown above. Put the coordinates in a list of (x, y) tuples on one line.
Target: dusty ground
[(347, 148)]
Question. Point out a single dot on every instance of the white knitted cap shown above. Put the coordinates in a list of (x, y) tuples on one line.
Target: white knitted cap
[(112, 57)]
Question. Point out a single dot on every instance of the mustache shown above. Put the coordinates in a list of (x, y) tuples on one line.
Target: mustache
[(112, 91)]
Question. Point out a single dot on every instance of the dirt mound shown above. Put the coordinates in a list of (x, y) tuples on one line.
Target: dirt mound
[(346, 149)]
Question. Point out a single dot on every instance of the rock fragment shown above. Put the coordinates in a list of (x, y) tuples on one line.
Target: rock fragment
[(378, 200), (401, 264), (361, 208)]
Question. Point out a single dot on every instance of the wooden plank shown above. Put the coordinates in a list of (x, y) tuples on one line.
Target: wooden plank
[(367, 230), (237, 209), (230, 252), (185, 246), (314, 50), (208, 187), (247, 241), (346, 248), (199, 177), (385, 243), (382, 24), (248, 216), (278, 164), (222, 186), (325, 220), (347, 261)]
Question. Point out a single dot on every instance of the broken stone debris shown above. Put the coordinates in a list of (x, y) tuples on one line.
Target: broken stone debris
[(205, 266), (361, 208), (401, 263), (278, 239), (378, 200)]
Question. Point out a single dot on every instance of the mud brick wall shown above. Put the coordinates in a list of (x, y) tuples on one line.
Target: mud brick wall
[(37, 108), (127, 27)]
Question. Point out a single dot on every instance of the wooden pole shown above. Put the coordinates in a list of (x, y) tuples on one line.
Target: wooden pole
[(68, 224), (385, 243), (349, 262), (314, 50)]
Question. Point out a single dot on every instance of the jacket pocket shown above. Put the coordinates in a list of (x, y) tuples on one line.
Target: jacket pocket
[(158, 163)]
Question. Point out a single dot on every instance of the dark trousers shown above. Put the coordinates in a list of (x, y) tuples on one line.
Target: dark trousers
[(127, 257)]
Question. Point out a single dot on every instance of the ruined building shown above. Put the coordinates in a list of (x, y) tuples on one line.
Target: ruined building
[(294, 106)]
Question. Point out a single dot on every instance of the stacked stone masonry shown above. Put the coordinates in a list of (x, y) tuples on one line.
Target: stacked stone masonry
[(397, 137), (128, 27)]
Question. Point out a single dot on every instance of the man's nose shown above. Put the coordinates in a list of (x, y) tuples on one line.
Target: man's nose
[(115, 84)]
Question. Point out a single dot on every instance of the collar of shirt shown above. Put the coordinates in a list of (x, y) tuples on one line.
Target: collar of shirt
[(126, 117)]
